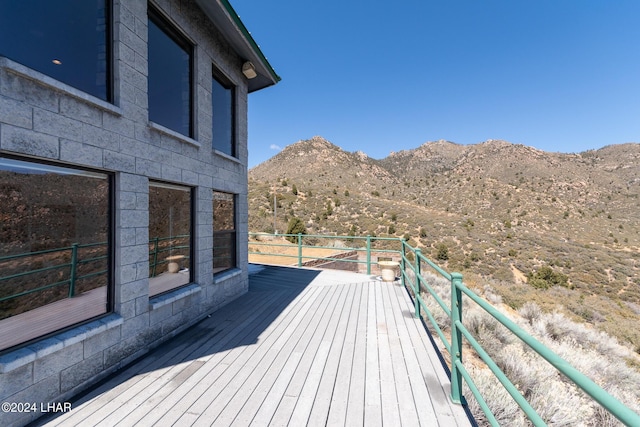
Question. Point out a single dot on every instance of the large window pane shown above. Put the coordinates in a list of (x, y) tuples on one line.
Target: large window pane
[(223, 117), (169, 77), (169, 237), (64, 39), (54, 248), (224, 231)]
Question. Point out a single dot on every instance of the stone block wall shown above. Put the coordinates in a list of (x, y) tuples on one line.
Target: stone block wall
[(45, 119)]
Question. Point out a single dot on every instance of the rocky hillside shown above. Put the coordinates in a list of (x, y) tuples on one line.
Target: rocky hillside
[(507, 214)]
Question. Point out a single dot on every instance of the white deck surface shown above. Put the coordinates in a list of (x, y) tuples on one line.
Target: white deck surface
[(302, 347)]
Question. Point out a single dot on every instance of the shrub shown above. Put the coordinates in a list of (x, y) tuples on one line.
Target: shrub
[(442, 252), (296, 226), (546, 277), (530, 311)]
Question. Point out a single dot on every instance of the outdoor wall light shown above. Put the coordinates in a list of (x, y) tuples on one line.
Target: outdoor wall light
[(249, 70)]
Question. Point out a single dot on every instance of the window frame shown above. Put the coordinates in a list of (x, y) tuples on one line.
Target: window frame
[(192, 218), (109, 85), (172, 31), (226, 83), (234, 252), (110, 252)]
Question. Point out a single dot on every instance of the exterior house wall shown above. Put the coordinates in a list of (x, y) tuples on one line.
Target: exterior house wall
[(45, 119)]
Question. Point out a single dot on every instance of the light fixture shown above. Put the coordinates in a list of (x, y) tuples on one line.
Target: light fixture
[(249, 70), (57, 62)]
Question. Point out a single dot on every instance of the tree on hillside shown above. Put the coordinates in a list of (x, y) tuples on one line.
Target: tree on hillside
[(295, 226)]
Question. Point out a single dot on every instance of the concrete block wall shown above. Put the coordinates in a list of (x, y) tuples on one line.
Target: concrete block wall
[(45, 119)]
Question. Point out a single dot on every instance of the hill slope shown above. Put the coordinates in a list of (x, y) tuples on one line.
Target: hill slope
[(504, 211)]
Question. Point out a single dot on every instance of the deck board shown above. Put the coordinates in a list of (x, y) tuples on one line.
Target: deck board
[(302, 347)]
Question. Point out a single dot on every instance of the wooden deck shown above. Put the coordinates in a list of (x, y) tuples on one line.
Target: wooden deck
[(51, 317), (302, 347)]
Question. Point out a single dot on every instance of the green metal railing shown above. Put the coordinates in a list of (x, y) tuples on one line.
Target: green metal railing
[(367, 247), (411, 266), (73, 265), (75, 262), (156, 250)]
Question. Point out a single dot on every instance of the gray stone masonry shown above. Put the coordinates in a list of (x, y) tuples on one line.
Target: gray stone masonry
[(45, 119)]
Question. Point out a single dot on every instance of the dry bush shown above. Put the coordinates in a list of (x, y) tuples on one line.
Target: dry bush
[(557, 400)]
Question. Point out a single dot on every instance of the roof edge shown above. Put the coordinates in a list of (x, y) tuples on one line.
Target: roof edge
[(247, 35)]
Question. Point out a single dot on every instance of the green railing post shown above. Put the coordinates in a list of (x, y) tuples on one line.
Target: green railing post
[(456, 337), (299, 249), (417, 286), (402, 266), (368, 254), (72, 276), (155, 256)]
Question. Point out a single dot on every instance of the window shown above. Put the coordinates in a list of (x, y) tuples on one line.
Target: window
[(64, 39), (224, 231), (55, 248), (223, 110), (169, 237), (170, 76)]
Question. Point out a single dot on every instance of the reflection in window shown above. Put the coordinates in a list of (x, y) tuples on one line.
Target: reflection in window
[(224, 231), (64, 39), (169, 76), (54, 248), (223, 117), (169, 237)]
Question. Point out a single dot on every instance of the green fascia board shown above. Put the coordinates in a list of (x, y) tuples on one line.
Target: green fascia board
[(247, 35)]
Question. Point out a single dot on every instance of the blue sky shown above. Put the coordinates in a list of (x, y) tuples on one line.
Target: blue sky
[(559, 75)]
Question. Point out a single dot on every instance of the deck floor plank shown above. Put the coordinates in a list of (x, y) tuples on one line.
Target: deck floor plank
[(340, 397), (355, 404), (168, 397), (302, 347), (242, 363), (309, 389), (405, 398), (326, 387), (247, 401)]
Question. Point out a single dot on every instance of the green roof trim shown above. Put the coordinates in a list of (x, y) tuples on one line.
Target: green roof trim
[(247, 35)]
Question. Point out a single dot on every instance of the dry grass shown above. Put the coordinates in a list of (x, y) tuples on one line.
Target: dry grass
[(559, 402), (287, 252)]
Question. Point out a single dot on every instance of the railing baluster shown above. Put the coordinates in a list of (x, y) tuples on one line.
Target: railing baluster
[(72, 276), (456, 337), (299, 249), (155, 256), (416, 286), (402, 267), (368, 254)]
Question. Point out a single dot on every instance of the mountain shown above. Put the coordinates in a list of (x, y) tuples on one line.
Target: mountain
[(505, 212)]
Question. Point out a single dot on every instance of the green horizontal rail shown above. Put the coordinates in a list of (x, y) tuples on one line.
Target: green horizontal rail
[(31, 291), (413, 279), (73, 265), (153, 253)]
